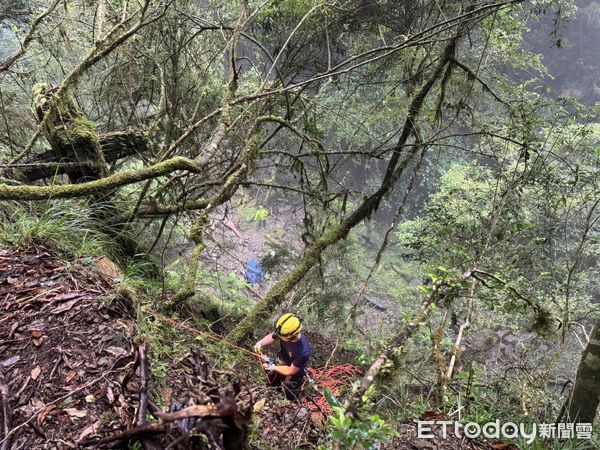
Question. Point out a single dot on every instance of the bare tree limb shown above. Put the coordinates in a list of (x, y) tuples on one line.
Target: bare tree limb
[(8, 62)]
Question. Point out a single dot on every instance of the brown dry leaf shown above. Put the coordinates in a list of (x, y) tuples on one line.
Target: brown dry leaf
[(75, 412), (44, 412), (37, 333), (69, 376), (65, 306), (89, 430), (35, 372), (107, 268), (38, 341)]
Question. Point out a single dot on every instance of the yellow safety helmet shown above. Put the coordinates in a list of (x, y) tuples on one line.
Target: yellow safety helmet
[(288, 325)]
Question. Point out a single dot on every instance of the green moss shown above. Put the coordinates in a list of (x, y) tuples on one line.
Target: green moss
[(80, 131), (38, 88)]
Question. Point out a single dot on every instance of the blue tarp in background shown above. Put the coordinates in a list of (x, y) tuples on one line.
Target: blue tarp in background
[(254, 272)]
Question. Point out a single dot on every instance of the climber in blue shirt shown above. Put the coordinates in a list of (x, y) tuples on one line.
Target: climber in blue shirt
[(290, 368)]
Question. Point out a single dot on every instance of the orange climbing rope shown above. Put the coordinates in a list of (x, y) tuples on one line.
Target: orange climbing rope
[(336, 379)]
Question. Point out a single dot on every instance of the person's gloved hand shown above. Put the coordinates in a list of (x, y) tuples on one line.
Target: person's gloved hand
[(257, 348), (269, 366)]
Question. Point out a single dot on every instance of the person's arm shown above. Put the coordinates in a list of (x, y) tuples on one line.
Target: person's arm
[(286, 370), (264, 342)]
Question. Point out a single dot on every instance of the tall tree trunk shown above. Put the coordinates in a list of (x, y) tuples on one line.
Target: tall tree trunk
[(582, 405)]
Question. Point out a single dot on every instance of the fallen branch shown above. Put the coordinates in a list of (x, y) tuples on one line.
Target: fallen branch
[(143, 406), (114, 145), (225, 407), (159, 428), (148, 443)]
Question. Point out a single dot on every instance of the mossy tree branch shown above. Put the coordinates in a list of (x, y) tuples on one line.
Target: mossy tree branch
[(97, 186), (246, 160), (441, 290), (583, 401), (102, 48)]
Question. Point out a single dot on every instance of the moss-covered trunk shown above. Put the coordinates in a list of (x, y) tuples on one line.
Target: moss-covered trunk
[(72, 136), (74, 139), (115, 145), (585, 396)]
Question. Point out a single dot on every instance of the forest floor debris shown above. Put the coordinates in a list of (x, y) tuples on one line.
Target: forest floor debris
[(74, 375)]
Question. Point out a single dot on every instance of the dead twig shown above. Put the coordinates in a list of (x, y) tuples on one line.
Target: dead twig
[(226, 407), (147, 442), (143, 406), (129, 375)]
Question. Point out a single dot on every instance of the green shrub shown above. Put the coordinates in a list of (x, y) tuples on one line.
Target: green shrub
[(352, 433)]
